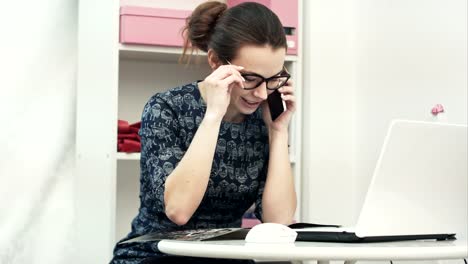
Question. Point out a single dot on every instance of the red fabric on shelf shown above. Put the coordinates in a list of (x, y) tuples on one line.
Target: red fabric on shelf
[(136, 125), (129, 136), (128, 139), (123, 126), (134, 130), (128, 145)]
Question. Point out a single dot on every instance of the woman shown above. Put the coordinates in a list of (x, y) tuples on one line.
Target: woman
[(210, 149)]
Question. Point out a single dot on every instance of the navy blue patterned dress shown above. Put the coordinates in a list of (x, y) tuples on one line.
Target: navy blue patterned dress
[(169, 123)]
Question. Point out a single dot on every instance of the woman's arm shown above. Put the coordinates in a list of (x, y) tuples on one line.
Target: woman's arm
[(186, 185), (279, 196)]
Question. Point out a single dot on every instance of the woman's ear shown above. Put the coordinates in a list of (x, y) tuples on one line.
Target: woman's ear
[(213, 59)]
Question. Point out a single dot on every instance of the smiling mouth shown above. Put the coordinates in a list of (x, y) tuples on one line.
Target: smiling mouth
[(250, 103)]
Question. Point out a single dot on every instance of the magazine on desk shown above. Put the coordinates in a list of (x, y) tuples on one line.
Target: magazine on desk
[(193, 235), (207, 234)]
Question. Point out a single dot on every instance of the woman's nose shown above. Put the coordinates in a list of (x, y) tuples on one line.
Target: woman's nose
[(261, 91)]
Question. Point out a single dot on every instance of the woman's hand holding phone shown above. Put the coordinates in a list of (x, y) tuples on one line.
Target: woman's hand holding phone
[(216, 89), (280, 124)]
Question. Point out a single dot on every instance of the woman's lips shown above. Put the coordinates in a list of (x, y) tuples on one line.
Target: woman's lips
[(250, 104)]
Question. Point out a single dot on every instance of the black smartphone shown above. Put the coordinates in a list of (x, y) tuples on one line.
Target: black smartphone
[(275, 103)]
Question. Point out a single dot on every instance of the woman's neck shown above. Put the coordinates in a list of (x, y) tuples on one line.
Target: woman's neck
[(233, 116)]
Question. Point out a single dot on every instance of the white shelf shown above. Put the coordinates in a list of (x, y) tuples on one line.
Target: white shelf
[(128, 156), (153, 53), (164, 54)]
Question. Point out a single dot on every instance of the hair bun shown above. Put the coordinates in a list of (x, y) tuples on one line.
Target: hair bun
[(201, 23)]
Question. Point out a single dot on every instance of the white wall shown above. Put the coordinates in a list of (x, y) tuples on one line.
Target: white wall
[(38, 65), (365, 63), (410, 55)]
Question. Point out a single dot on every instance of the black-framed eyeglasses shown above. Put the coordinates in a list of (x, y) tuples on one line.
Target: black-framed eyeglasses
[(253, 80)]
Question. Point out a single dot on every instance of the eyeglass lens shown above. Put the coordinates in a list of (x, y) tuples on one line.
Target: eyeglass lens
[(252, 82)]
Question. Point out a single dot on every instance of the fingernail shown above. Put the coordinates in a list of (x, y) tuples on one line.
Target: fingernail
[(243, 78)]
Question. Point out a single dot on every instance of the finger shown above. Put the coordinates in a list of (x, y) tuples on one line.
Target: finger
[(290, 101), (228, 73), (286, 89), (288, 97), (234, 72), (239, 68), (236, 66), (233, 79), (225, 70), (287, 92), (220, 73)]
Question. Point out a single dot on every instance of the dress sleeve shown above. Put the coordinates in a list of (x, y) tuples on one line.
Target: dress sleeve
[(161, 150)]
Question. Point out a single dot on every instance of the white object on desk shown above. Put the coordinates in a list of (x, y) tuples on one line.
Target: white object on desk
[(419, 184), (271, 233), (324, 252)]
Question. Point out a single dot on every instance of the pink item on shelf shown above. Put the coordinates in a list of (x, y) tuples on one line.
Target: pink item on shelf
[(438, 108), (152, 26), (287, 11)]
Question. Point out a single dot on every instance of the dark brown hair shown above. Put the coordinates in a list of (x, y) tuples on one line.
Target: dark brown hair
[(213, 25)]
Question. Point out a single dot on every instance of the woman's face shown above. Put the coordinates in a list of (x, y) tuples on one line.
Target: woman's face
[(261, 60)]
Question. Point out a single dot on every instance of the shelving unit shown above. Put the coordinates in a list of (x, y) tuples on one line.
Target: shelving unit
[(114, 82), (163, 54), (128, 156)]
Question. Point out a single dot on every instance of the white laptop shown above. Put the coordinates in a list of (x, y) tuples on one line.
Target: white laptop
[(419, 188)]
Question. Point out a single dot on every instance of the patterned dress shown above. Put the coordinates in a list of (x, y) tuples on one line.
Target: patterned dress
[(169, 123)]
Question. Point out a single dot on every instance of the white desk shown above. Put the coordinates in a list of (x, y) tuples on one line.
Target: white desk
[(322, 252)]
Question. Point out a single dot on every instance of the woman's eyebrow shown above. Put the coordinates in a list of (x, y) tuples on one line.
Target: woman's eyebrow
[(249, 72), (254, 73)]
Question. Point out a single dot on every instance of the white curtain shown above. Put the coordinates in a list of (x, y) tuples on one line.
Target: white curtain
[(37, 114)]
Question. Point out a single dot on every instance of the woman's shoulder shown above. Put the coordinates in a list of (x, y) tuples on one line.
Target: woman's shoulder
[(176, 99), (183, 90), (171, 96)]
